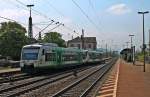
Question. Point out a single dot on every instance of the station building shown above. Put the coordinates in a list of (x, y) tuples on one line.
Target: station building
[(87, 43)]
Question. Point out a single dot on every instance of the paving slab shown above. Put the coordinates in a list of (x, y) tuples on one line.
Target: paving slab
[(127, 80), (132, 81), (109, 87)]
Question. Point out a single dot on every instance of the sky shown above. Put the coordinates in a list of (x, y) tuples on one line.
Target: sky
[(110, 21)]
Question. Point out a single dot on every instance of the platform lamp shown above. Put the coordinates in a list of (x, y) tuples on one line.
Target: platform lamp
[(144, 46)]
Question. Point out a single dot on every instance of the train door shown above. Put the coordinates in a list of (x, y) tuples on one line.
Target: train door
[(42, 58), (59, 56)]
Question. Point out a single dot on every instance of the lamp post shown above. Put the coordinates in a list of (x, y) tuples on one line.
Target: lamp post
[(149, 42), (144, 46), (132, 49), (82, 39), (106, 51)]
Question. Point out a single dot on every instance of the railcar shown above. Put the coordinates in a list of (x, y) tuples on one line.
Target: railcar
[(94, 56), (41, 56)]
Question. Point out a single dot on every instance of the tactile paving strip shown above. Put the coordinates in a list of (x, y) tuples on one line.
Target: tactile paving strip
[(109, 87)]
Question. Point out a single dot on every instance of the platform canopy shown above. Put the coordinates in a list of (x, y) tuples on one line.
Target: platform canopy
[(125, 51)]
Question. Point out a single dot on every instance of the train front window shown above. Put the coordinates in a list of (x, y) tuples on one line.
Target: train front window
[(30, 53)]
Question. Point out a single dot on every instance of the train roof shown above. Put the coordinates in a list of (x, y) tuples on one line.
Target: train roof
[(93, 51), (72, 49), (41, 45)]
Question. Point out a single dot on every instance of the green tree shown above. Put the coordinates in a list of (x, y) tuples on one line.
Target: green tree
[(54, 37), (11, 26), (12, 38)]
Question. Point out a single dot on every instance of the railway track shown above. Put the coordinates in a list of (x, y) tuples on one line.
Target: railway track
[(81, 87), (48, 84), (53, 88), (22, 87), (12, 78)]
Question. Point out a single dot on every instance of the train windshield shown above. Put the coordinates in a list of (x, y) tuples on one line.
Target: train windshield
[(30, 53)]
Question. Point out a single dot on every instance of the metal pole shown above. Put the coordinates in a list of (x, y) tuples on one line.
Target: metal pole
[(144, 46), (40, 37), (82, 39), (30, 33), (143, 43), (110, 51), (132, 48), (106, 49), (133, 55), (149, 42), (131, 42)]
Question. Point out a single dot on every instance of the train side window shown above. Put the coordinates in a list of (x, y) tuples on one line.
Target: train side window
[(50, 57), (84, 55), (43, 52)]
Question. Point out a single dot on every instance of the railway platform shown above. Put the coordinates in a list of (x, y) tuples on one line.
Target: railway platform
[(126, 80), (9, 71)]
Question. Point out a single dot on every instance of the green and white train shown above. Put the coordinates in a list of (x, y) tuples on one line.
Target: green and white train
[(41, 56)]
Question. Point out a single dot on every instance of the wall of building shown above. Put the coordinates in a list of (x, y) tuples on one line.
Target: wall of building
[(86, 45)]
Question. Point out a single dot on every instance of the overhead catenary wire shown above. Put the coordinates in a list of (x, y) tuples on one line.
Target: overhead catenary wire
[(61, 14), (46, 27), (42, 23), (97, 16), (41, 14), (50, 5), (71, 29), (90, 20), (17, 5), (7, 19), (17, 21), (12, 20), (54, 27), (25, 24), (25, 8)]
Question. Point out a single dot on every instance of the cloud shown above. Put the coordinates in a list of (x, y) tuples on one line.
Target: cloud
[(119, 9)]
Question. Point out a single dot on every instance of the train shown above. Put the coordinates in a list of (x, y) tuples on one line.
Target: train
[(43, 56)]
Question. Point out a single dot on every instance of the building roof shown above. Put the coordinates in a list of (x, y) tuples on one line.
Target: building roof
[(86, 39), (126, 50)]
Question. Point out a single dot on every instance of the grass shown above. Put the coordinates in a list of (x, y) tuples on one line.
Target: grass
[(140, 56)]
